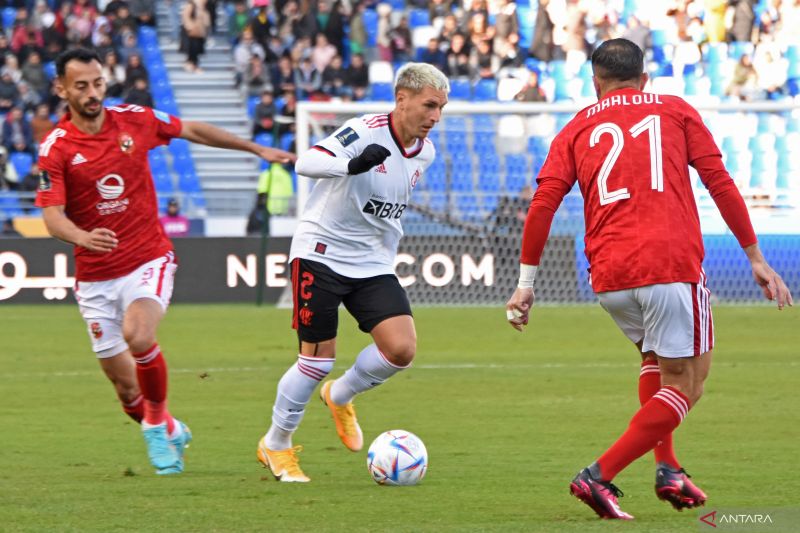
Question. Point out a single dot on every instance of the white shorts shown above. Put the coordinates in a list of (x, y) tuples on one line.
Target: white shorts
[(672, 319), (103, 303)]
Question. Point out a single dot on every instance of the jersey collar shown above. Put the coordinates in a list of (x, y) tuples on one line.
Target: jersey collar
[(414, 151)]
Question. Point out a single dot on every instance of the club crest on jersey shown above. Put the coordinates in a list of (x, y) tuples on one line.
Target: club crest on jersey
[(320, 248), (97, 331), (44, 181), (415, 178), (126, 143), (347, 136)]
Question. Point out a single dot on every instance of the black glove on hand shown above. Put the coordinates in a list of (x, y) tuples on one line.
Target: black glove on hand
[(373, 155)]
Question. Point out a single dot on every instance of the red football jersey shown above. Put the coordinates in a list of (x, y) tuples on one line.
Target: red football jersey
[(629, 154), (104, 181)]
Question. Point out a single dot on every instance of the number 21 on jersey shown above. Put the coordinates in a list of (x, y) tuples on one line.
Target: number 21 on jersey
[(650, 124)]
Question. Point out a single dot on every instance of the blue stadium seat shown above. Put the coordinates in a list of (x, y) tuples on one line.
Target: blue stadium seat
[(515, 180), (398, 5), (183, 165), (438, 202), (538, 146), (467, 204), (163, 183), (535, 65), (9, 200), (264, 139), (659, 38), (484, 142), (252, 102), (483, 123), (370, 18), (419, 17), (462, 176), (9, 16), (454, 123), (382, 92), (22, 162), (435, 178), (737, 49), (715, 53), (489, 202), (189, 182), (525, 19), (456, 143), (485, 90), (50, 69), (286, 141), (460, 89), (488, 180), (793, 86)]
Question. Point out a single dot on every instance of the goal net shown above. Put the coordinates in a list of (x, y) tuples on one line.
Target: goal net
[(463, 226)]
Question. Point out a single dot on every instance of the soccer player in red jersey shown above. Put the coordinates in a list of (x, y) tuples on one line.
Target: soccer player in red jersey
[(96, 192), (630, 154)]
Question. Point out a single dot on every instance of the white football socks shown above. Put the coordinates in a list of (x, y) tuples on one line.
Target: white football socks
[(370, 370), (294, 391)]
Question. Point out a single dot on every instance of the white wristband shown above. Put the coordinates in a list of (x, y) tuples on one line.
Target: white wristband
[(527, 274)]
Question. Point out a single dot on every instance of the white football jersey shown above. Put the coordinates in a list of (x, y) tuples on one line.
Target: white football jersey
[(352, 223)]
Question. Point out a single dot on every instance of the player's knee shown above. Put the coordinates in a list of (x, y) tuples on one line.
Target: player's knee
[(401, 353), (139, 339)]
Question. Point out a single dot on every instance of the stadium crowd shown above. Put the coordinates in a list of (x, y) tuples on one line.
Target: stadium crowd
[(33, 34)]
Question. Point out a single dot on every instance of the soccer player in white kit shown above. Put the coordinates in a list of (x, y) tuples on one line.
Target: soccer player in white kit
[(343, 252)]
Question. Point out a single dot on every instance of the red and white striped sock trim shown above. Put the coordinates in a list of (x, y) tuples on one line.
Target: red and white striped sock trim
[(136, 401), (649, 368), (674, 399), (308, 367), (149, 355)]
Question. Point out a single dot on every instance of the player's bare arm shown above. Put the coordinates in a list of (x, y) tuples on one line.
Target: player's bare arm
[(59, 226), (770, 282), (203, 133)]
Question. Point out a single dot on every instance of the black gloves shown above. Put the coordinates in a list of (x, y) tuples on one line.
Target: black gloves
[(373, 155)]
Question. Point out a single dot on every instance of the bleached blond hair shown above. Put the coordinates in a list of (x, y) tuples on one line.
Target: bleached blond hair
[(417, 76)]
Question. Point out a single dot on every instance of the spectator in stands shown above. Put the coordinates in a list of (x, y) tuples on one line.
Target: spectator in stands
[(283, 75), (263, 121), (256, 78), (400, 41), (144, 11), (5, 49), (28, 98), (258, 216), (12, 66), (9, 94), (531, 92), (124, 21), (261, 26), (8, 174), (639, 33), (744, 17), (211, 8), (17, 135), (322, 53), (771, 74), (334, 79), (244, 52), (139, 94), (542, 47), (383, 41), (358, 76), (307, 79), (196, 23), (41, 123), (114, 73), (328, 21), (33, 73), (506, 34), (358, 31), (508, 218), (238, 21), (288, 113), (438, 10), (8, 229), (482, 61), (449, 29), (30, 182), (714, 20), (434, 55), (174, 223), (129, 47), (458, 65), (26, 39), (479, 29), (744, 84), (134, 70)]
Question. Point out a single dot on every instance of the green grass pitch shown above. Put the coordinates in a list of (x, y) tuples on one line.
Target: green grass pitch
[(507, 418)]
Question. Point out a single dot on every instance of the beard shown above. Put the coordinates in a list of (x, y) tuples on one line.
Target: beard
[(82, 109)]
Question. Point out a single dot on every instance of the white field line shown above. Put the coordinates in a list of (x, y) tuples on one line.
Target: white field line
[(446, 366)]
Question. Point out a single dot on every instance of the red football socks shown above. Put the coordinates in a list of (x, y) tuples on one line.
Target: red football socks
[(151, 369), (657, 418), (649, 384)]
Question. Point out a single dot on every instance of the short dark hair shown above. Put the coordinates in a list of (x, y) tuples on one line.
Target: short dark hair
[(84, 55), (618, 59)]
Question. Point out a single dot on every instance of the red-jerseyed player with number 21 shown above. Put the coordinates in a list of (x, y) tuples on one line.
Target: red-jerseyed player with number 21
[(630, 154), (97, 193)]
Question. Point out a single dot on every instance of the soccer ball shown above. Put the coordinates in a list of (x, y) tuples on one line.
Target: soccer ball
[(397, 457)]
